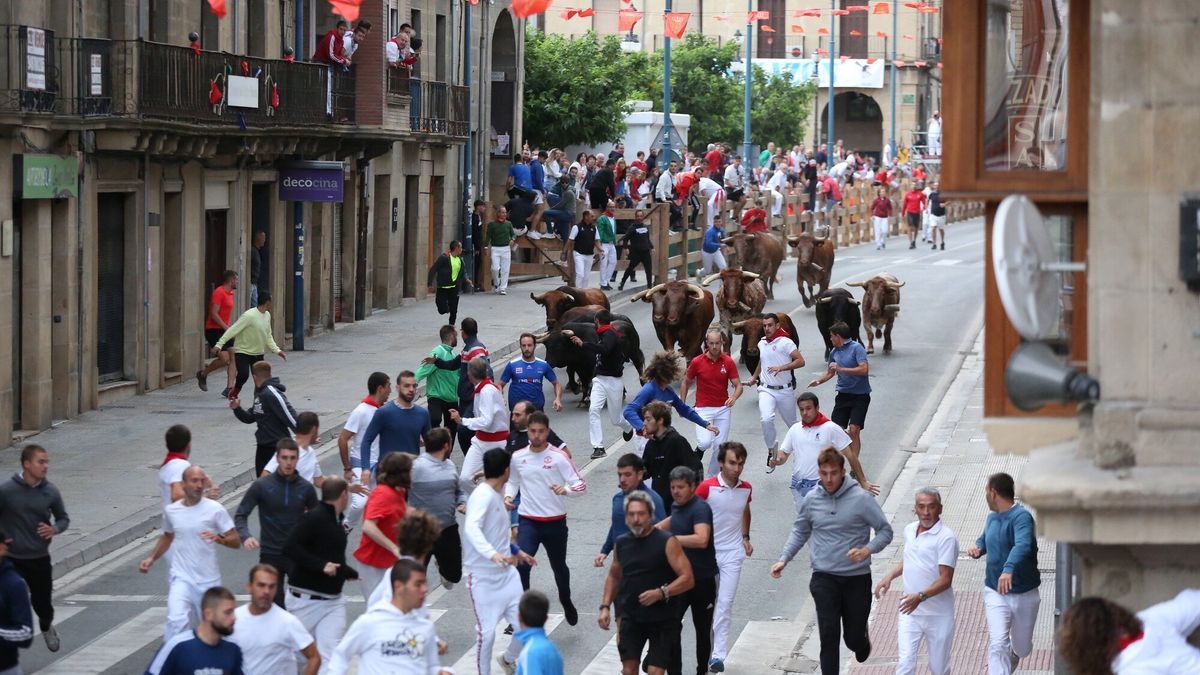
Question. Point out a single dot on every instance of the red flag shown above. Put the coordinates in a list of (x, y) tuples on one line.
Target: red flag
[(881, 8), (196, 48), (839, 12), (218, 8), (585, 12), (808, 12), (823, 31), (881, 34), (523, 9), (857, 8), (822, 52), (274, 96), (855, 33), (797, 28), (843, 58), (908, 37), (567, 14), (766, 29), (627, 19), (675, 23), (928, 10), (214, 93), (348, 9), (913, 5), (898, 63), (920, 64)]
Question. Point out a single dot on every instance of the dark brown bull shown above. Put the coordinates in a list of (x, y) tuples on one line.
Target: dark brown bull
[(742, 295), (563, 298), (880, 305), (758, 252), (814, 265), (751, 331), (585, 314), (682, 313), (832, 306)]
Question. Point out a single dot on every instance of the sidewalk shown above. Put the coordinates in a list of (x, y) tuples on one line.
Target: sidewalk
[(105, 461), (953, 456)]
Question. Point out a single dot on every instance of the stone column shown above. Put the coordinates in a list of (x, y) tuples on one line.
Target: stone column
[(36, 260)]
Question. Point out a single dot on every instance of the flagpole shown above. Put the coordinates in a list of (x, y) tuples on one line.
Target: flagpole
[(748, 74), (895, 36), (668, 126), (832, 56)]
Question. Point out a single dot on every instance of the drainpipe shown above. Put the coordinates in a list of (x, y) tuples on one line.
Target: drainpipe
[(299, 28), (468, 244)]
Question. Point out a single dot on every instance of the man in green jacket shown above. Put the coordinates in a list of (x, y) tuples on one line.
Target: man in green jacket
[(499, 236), (441, 386), (606, 229), (253, 336)]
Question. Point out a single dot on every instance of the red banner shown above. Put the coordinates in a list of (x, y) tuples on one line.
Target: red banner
[(348, 9), (881, 8), (675, 23), (627, 19), (523, 9), (751, 17), (218, 8)]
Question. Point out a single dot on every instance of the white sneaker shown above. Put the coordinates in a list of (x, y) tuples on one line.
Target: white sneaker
[(509, 668), (533, 234), (503, 291), (446, 584)]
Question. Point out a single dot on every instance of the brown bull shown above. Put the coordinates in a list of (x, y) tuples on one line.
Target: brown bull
[(682, 312), (814, 265), (880, 306), (563, 298), (751, 331), (758, 252), (742, 295)]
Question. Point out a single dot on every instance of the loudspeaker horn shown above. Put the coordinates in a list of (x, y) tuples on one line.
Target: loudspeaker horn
[(1036, 376)]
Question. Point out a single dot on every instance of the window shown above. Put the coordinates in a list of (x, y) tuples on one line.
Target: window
[(852, 46)]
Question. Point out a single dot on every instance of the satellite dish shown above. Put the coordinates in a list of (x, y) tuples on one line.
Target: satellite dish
[(1026, 268)]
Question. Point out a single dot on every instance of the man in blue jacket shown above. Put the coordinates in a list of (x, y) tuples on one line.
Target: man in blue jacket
[(663, 369), (631, 475), (538, 656), (16, 614), (1010, 596)]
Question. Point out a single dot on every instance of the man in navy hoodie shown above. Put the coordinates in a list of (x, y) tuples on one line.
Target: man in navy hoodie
[(271, 411), (16, 614)]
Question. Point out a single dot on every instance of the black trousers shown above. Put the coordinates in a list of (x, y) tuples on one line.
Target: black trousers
[(263, 452), (284, 565), (439, 414), (843, 605), (448, 552), (243, 362), (464, 434), (447, 303), (638, 258), (553, 535), (39, 576), (701, 600)]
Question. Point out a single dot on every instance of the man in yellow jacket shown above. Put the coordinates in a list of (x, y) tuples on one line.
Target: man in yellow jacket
[(253, 336)]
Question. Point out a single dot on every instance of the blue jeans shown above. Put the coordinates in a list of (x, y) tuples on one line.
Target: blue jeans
[(800, 488), (553, 535), (561, 219), (254, 295)]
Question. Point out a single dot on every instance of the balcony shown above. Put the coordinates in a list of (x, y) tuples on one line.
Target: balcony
[(433, 107)]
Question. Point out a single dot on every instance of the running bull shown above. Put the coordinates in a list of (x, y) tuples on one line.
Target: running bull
[(837, 304), (563, 298), (561, 352), (742, 295), (880, 306), (758, 252), (682, 313), (814, 265)]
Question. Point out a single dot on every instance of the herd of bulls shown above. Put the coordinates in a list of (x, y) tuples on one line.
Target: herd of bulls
[(683, 311)]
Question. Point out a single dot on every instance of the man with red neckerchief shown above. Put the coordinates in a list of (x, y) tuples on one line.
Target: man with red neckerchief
[(712, 371), (379, 388), (806, 439), (778, 356), (490, 423)]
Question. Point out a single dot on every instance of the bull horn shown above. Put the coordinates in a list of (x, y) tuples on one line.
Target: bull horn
[(855, 302), (696, 291), (749, 275), (537, 298), (710, 278), (816, 267), (892, 284), (859, 284), (568, 333), (737, 325), (892, 308), (825, 301), (541, 337), (728, 240), (643, 294)]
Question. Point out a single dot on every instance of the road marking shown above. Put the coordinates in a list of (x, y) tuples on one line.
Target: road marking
[(758, 645), (466, 664), (943, 263), (113, 646), (607, 661), (61, 614), (240, 597)]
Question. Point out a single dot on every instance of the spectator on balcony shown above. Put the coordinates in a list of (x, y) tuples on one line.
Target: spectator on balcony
[(399, 51), (351, 40), (562, 216), (331, 49), (537, 176)]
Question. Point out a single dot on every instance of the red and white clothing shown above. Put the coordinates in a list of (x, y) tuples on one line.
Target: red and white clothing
[(1163, 647), (330, 49), (712, 378), (193, 560), (169, 473), (775, 389), (728, 504), (495, 589), (490, 425), (933, 619), (712, 192), (532, 475), (806, 442), (356, 424)]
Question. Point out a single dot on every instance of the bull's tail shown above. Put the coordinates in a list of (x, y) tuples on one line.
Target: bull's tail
[(878, 332)]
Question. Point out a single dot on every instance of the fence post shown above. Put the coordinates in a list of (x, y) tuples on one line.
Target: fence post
[(662, 232)]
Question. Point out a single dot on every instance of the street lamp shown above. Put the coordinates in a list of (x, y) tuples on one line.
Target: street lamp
[(748, 74), (668, 126), (815, 78)]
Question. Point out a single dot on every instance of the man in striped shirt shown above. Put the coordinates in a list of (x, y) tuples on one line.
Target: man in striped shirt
[(544, 475)]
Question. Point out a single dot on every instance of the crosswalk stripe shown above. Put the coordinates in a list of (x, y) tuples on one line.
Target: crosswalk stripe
[(607, 661), (943, 263), (240, 597), (113, 646), (466, 663), (758, 646), (61, 614)]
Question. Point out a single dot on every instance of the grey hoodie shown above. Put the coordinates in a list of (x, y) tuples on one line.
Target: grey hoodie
[(22, 508), (837, 523)]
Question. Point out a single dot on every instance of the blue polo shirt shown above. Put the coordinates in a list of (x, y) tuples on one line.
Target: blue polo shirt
[(849, 355), (526, 381), (712, 239), (521, 176), (186, 654)]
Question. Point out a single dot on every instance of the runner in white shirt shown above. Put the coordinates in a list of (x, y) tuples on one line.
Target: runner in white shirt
[(269, 635), (712, 192), (1097, 635), (192, 526), (927, 606), (735, 186), (729, 498), (379, 388), (170, 474), (778, 356), (489, 558), (806, 439), (777, 183), (393, 638), (490, 423), (307, 467)]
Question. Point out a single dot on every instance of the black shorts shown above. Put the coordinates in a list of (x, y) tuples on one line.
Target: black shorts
[(736, 194), (850, 409), (663, 638), (212, 335), (914, 220)]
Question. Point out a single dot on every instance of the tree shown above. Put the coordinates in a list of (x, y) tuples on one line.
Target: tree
[(780, 108), (578, 91)]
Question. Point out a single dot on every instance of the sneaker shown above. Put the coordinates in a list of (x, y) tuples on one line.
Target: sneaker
[(606, 287), (508, 668), (598, 453), (912, 245), (202, 380), (447, 584), (883, 245), (52, 641), (863, 654), (943, 246), (503, 291), (716, 666), (1013, 660), (933, 247), (225, 392), (570, 613), (627, 435), (621, 286)]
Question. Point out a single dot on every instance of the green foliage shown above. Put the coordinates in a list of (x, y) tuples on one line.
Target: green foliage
[(780, 109)]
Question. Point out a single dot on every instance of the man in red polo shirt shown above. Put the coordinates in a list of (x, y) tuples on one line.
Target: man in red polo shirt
[(713, 371), (220, 311), (714, 159), (914, 204)]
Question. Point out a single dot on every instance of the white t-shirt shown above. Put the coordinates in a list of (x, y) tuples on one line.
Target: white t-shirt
[(803, 445), (308, 467), (348, 44), (269, 641), (1165, 648), (194, 559), (923, 554), (171, 472), (776, 352), (733, 177), (356, 424), (708, 187)]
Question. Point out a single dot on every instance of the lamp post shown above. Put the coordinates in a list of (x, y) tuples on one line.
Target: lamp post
[(894, 40), (748, 76), (816, 80), (832, 56), (668, 127)]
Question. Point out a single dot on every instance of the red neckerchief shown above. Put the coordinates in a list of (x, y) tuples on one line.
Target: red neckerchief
[(1127, 640), (821, 419), (370, 401), (603, 327), (173, 455), (608, 212), (485, 382), (779, 332), (501, 220)]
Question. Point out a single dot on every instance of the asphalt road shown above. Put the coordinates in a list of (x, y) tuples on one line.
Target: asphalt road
[(111, 617)]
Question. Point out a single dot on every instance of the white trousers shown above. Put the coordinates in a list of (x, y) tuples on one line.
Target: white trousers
[(607, 392), (712, 262), (937, 630), (1010, 620), (493, 596), (926, 225), (770, 403), (583, 266), (183, 605), (325, 620), (881, 230), (501, 264), (473, 462), (358, 503), (716, 204), (729, 564), (706, 439), (776, 202), (608, 262), (935, 145), (369, 577)]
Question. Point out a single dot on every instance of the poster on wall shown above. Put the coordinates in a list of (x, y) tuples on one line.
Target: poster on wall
[(851, 74), (35, 59)]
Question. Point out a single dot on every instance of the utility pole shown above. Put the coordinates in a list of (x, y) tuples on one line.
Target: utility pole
[(749, 77), (832, 56), (894, 41), (668, 127)]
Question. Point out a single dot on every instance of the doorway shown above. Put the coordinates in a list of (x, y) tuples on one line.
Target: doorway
[(386, 217), (110, 288), (437, 190), (172, 292), (216, 223), (412, 194), (260, 221)]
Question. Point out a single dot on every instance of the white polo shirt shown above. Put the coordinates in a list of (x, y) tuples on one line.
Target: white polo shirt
[(776, 352), (923, 554), (727, 504), (804, 444)]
